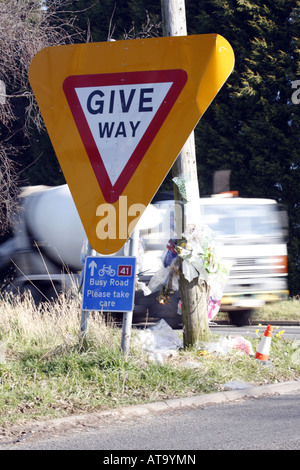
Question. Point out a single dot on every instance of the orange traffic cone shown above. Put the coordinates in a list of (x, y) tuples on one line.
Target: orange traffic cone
[(263, 349)]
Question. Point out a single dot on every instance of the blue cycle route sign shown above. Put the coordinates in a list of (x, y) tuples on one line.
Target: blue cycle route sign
[(109, 283)]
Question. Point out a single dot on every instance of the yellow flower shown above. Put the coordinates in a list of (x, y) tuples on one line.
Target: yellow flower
[(203, 352)]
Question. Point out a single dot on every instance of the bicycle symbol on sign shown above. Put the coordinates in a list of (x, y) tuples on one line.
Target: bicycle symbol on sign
[(108, 270)]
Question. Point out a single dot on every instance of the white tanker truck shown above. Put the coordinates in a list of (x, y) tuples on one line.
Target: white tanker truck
[(45, 250), (46, 243)]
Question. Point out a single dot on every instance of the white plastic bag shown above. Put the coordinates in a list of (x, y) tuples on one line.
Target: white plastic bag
[(225, 345), (159, 279), (159, 337), (189, 271)]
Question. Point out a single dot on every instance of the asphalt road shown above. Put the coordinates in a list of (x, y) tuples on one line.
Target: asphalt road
[(259, 418), (236, 420), (290, 332)]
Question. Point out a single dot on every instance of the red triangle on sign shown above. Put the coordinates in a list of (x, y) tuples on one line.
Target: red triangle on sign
[(118, 115)]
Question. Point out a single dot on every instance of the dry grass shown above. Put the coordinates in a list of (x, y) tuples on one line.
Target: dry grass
[(286, 310), (46, 371)]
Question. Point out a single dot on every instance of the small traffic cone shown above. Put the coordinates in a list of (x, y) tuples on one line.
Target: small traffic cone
[(263, 349)]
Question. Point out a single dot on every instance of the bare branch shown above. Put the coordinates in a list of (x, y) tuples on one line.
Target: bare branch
[(8, 187), (25, 28), (152, 28)]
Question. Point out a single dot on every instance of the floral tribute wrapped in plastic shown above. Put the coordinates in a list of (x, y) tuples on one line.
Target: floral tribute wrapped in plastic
[(201, 258)]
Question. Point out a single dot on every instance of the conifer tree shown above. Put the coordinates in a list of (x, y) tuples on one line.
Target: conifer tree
[(253, 126)]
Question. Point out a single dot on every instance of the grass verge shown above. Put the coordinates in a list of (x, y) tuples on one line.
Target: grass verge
[(286, 310), (45, 372)]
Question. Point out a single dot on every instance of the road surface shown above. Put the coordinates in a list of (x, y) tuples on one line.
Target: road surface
[(290, 332), (264, 423)]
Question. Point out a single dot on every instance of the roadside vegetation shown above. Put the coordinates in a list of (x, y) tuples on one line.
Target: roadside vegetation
[(47, 372), (286, 310)]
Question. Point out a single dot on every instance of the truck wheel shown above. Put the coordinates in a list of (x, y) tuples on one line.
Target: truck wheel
[(41, 293), (240, 318), (35, 293), (52, 293)]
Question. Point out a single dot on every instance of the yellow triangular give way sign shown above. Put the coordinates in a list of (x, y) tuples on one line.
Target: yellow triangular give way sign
[(118, 113)]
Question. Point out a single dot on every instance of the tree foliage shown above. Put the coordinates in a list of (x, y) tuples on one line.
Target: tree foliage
[(252, 127), (117, 19), (25, 28)]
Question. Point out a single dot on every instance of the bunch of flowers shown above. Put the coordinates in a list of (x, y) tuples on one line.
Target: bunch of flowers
[(201, 258)]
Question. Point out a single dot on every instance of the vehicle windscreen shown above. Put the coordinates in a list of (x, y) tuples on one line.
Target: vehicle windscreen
[(246, 221)]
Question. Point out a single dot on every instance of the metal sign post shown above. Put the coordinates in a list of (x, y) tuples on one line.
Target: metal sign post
[(85, 313), (84, 323), (109, 286), (127, 316)]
